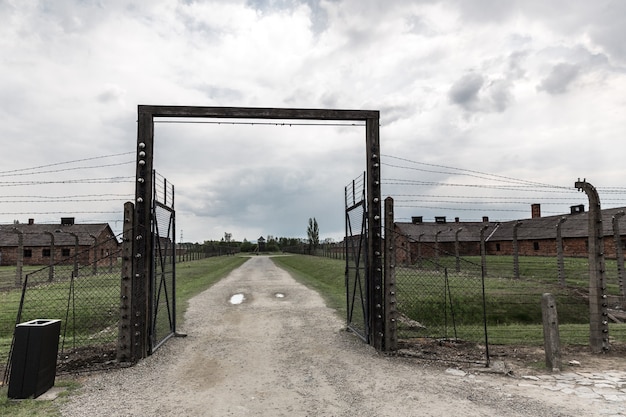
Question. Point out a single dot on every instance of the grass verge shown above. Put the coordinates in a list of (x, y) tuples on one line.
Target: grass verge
[(194, 277), (324, 275), (191, 279)]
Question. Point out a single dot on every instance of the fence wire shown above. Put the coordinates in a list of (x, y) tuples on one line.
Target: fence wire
[(86, 298), (439, 303), (439, 295)]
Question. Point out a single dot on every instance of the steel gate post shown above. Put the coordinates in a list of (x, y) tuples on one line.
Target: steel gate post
[(391, 334), (374, 275), (143, 239)]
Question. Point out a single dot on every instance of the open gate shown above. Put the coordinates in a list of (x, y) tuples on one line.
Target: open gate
[(152, 299), (358, 319), (163, 280)]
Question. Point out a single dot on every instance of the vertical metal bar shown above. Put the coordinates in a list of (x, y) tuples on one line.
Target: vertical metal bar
[(347, 257), (173, 260)]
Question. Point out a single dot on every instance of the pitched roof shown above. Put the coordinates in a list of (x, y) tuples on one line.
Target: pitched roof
[(37, 234), (470, 231), (575, 226)]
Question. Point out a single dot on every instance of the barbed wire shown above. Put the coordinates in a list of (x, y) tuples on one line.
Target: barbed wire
[(105, 180), (66, 169), (67, 162)]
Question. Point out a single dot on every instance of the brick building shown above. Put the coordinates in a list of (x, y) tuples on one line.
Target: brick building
[(60, 242), (536, 236)]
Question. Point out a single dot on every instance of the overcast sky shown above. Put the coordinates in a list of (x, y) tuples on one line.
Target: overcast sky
[(532, 91)]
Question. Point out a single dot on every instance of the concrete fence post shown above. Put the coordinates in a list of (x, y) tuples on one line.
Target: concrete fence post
[(559, 251), (20, 257), (619, 254), (125, 336), (457, 251), (598, 314), (483, 249), (516, 250), (551, 339)]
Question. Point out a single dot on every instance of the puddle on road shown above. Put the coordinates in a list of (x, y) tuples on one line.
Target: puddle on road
[(237, 299)]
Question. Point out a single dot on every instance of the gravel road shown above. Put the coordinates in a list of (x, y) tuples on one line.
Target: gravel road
[(281, 352)]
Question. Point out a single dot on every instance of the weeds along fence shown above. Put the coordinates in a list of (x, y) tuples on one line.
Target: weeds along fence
[(86, 298), (440, 295)]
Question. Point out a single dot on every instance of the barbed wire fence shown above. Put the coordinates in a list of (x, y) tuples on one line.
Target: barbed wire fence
[(82, 288), (516, 270), (85, 297)]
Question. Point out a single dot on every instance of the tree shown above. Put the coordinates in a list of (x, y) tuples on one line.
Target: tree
[(313, 234)]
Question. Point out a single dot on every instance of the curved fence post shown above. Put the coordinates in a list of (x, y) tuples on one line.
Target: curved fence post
[(598, 323)]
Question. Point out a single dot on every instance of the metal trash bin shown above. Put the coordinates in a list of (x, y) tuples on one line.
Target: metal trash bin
[(34, 358)]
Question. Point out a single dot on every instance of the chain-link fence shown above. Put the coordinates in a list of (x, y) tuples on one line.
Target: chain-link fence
[(86, 298), (439, 302), (439, 294), (514, 299)]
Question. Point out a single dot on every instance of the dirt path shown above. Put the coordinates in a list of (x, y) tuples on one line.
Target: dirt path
[(290, 356)]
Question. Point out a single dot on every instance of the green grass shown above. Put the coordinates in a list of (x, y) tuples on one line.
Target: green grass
[(513, 306), (324, 275), (8, 273), (36, 408), (191, 277), (194, 277)]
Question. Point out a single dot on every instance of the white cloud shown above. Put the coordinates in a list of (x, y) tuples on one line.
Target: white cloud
[(531, 88)]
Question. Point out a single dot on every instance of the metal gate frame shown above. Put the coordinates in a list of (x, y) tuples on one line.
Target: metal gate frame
[(356, 275), (163, 282), (144, 247)]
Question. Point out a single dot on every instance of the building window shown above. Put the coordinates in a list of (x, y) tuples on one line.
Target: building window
[(536, 245), (45, 253), (65, 252), (497, 247), (28, 253)]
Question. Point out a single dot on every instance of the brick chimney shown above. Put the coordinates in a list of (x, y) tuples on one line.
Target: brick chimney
[(485, 219), (31, 221), (535, 210)]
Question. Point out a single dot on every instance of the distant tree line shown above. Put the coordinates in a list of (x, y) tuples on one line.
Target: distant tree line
[(272, 244)]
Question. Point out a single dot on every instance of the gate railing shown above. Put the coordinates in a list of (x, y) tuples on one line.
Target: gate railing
[(356, 259), (163, 280)]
